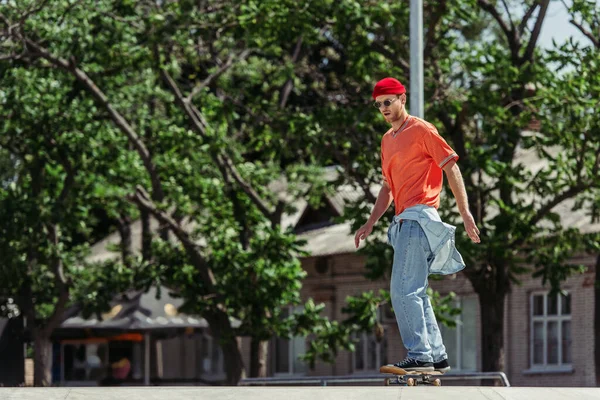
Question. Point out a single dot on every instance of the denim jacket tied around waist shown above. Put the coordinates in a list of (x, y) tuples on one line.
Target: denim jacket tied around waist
[(441, 237)]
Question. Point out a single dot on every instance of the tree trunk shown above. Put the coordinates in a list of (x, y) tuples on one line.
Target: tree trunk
[(146, 234), (597, 320), (234, 365), (125, 233), (492, 332), (217, 317), (42, 359), (232, 355), (259, 350)]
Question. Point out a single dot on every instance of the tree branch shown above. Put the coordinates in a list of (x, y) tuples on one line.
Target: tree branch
[(57, 265), (512, 25), (238, 209), (526, 17), (11, 56), (351, 172), (67, 11), (247, 188), (455, 130), (89, 84), (123, 20), (391, 55), (588, 34), (222, 161), (494, 13), (512, 35), (59, 308), (198, 123), (124, 228), (289, 84), (546, 208), (228, 64), (59, 205), (117, 118), (580, 161), (596, 167), (433, 22), (142, 199), (9, 26), (62, 283), (146, 234), (536, 31), (32, 10)]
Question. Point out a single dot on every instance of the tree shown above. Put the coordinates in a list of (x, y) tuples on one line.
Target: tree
[(582, 85), (45, 202), (201, 130), (486, 81), (516, 81)]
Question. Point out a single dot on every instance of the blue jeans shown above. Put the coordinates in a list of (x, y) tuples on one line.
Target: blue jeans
[(408, 289)]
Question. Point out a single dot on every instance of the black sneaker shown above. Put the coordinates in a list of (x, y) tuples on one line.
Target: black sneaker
[(408, 364), (442, 366)]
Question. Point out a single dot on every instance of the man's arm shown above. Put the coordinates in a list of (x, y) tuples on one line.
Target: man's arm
[(384, 199), (458, 189)]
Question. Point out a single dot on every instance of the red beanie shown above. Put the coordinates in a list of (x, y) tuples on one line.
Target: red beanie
[(388, 86)]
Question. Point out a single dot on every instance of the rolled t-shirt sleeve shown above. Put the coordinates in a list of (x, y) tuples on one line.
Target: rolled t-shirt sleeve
[(437, 148)]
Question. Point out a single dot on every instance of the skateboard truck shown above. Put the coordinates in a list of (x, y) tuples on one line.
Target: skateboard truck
[(410, 378), (413, 380)]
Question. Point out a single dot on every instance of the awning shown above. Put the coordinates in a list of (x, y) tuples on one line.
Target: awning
[(137, 311)]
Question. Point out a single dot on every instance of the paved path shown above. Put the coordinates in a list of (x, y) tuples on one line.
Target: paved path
[(302, 393)]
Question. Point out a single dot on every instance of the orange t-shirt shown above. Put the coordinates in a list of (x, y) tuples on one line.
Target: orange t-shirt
[(412, 163)]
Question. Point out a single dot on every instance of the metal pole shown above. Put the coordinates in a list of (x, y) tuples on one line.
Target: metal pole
[(416, 59), (380, 378), (147, 359), (62, 364)]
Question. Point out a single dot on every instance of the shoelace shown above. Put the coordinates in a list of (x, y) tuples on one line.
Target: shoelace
[(404, 362)]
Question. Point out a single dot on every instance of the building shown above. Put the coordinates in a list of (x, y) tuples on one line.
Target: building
[(548, 341), (144, 338)]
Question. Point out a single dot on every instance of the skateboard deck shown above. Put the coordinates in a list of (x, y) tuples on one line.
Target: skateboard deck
[(410, 378)]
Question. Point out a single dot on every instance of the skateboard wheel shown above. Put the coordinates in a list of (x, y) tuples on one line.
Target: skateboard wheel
[(437, 382), (411, 382)]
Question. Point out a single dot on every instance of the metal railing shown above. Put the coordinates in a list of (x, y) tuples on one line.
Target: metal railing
[(324, 380)]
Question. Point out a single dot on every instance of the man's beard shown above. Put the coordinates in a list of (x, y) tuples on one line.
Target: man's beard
[(394, 117)]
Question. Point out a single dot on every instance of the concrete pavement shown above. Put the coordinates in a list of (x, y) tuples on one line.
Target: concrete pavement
[(302, 393)]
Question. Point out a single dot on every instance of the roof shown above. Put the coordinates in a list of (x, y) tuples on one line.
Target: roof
[(334, 239), (137, 310)]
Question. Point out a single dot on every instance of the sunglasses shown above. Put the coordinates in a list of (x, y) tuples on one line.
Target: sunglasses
[(385, 103)]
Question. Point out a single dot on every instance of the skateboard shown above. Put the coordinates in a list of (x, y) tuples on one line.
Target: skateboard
[(410, 378)]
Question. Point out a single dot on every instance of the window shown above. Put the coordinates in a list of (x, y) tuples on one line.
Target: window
[(211, 361), (460, 341), (84, 362), (550, 339), (286, 352), (369, 354)]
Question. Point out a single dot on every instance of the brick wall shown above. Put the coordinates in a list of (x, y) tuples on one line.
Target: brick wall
[(582, 330), (340, 276)]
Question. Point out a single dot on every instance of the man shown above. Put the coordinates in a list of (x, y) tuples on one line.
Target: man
[(413, 156)]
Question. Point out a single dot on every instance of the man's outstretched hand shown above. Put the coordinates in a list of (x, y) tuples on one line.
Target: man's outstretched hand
[(471, 228), (362, 233)]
